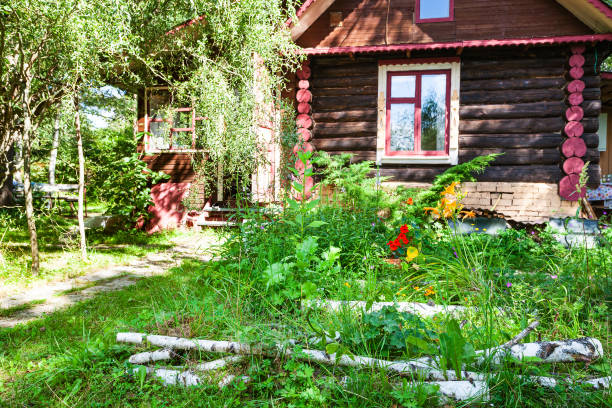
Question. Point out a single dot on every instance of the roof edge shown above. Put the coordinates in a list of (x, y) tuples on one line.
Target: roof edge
[(457, 44)]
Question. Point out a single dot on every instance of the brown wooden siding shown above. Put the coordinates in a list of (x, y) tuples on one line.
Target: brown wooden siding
[(380, 22), (504, 108), (176, 165)]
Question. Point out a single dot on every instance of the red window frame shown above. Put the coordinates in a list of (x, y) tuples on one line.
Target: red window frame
[(173, 130), (418, 19), (416, 100)]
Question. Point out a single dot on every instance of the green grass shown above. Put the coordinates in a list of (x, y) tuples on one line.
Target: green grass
[(59, 249), (9, 311)]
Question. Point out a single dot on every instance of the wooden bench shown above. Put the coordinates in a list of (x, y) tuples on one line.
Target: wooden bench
[(53, 193)]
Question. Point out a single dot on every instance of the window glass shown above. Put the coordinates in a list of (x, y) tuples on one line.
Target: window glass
[(603, 131), (403, 86), (430, 9), (433, 112), (402, 127)]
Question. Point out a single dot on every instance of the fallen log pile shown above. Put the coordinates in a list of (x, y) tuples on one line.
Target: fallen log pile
[(468, 385)]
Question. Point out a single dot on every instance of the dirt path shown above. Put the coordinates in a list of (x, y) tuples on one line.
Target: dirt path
[(46, 298)]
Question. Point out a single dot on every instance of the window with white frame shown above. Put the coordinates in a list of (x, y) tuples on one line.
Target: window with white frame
[(431, 11), (418, 111), (168, 127), (603, 132)]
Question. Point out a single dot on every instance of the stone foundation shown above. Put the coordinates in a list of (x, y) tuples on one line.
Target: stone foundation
[(524, 202)]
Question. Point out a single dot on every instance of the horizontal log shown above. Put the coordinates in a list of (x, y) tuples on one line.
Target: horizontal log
[(505, 97), (341, 82), (506, 84), (415, 174), (591, 94), (344, 128), (519, 110), (538, 125), (591, 125), (592, 81), (555, 71), (336, 103), (358, 156), (346, 71), (346, 143), (591, 108), (347, 91), (515, 156), (346, 116), (510, 141), (527, 174)]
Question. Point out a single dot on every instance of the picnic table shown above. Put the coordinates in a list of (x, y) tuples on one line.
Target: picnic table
[(52, 192)]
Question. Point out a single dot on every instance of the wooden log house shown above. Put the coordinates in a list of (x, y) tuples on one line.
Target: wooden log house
[(420, 85)]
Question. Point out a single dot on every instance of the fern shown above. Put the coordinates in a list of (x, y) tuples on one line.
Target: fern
[(459, 173)]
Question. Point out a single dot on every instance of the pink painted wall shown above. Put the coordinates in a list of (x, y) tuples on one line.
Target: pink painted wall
[(167, 211)]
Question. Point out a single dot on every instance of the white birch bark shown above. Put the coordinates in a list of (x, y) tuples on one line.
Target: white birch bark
[(79, 138), (421, 309), (54, 148)]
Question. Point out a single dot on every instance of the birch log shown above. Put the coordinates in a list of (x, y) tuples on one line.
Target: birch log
[(586, 349), (187, 378), (152, 356), (399, 367), (421, 309)]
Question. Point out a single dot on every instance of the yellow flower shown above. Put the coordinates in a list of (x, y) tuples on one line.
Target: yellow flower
[(429, 291), (417, 288), (347, 284), (411, 253)]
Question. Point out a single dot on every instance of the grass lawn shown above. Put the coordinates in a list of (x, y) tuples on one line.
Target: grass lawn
[(70, 358), (59, 249)]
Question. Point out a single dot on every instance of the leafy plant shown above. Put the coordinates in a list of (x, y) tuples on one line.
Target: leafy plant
[(455, 351), (128, 192), (416, 395)]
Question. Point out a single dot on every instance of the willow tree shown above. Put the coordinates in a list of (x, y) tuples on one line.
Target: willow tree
[(49, 48), (229, 60)]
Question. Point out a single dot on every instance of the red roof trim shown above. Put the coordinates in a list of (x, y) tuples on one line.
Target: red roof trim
[(458, 44), (606, 75), (603, 7)]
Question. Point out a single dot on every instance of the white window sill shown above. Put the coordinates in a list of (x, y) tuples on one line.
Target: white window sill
[(415, 160)]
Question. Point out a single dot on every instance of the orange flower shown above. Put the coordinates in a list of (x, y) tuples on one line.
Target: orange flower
[(450, 190), (434, 211), (468, 214), (409, 201)]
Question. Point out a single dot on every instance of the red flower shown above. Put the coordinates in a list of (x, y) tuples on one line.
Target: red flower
[(403, 238), (392, 245), (404, 229), (409, 201)]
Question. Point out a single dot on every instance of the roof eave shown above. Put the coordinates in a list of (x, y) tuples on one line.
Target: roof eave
[(594, 13)]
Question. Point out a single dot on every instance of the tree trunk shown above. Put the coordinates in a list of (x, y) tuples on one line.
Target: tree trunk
[(6, 179), (77, 129), (27, 183), (54, 147)]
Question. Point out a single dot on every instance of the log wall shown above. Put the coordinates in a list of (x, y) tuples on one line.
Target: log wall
[(512, 101)]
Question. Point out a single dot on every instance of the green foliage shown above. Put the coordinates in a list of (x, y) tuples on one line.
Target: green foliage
[(457, 174), (127, 192), (416, 395), (455, 351), (393, 331), (351, 181)]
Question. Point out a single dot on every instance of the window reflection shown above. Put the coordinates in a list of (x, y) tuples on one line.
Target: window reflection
[(434, 9), (433, 112), (402, 127)]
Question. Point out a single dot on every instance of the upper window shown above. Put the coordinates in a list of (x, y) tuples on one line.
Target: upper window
[(418, 112), (429, 11), (168, 127)]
